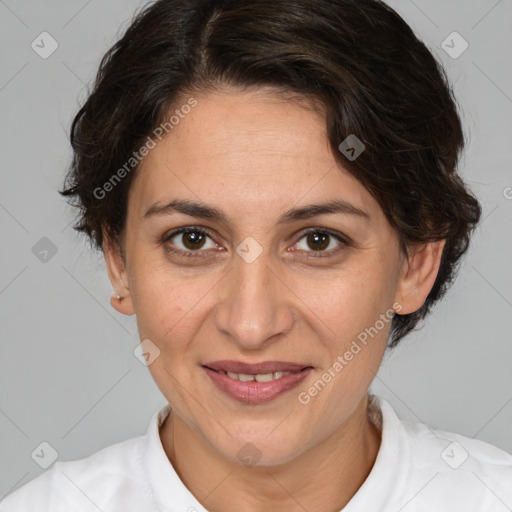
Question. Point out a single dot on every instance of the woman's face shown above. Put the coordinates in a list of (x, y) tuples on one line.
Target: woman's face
[(252, 288)]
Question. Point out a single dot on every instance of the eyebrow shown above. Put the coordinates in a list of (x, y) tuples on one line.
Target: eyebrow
[(203, 211)]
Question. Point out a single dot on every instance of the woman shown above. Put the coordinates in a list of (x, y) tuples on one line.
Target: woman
[(274, 188)]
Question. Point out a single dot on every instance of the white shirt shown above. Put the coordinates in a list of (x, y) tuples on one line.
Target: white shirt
[(417, 470)]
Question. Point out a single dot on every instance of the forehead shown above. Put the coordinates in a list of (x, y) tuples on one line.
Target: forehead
[(253, 151)]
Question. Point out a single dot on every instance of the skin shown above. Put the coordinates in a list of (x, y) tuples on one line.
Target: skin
[(254, 156)]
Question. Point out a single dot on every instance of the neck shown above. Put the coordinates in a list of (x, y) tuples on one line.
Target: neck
[(323, 478)]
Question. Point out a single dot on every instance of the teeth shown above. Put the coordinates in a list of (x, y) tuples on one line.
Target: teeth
[(260, 377), (264, 377)]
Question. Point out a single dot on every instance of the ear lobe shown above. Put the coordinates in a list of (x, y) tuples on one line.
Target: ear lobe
[(118, 277), (419, 275)]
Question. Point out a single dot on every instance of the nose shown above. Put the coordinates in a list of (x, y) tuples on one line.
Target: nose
[(255, 305)]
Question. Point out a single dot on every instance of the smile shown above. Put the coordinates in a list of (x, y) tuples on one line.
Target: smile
[(259, 377), (264, 383)]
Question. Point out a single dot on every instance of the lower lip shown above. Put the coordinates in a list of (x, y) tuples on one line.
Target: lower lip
[(254, 392)]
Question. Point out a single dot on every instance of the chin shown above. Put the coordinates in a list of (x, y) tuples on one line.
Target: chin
[(260, 451)]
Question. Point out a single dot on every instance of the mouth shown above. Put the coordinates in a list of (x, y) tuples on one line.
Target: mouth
[(255, 383)]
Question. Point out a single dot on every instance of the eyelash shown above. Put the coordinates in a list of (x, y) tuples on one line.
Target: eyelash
[(344, 242)]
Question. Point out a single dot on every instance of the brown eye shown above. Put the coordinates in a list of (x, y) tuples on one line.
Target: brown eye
[(321, 241), (193, 240), (318, 241), (189, 240)]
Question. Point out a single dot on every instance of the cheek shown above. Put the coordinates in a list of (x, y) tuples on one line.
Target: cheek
[(345, 301), (339, 304), (161, 309), (159, 298), (171, 306)]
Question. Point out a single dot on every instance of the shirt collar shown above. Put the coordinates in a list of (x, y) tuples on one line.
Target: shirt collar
[(380, 491), (388, 477), (169, 491)]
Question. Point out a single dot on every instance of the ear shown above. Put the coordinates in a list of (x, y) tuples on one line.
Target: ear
[(118, 277), (418, 276)]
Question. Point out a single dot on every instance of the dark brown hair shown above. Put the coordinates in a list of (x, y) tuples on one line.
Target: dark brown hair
[(357, 58)]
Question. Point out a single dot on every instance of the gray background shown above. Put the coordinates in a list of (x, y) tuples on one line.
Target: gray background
[(67, 372)]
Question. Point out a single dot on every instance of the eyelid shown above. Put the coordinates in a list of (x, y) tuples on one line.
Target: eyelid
[(185, 229), (317, 229), (345, 241)]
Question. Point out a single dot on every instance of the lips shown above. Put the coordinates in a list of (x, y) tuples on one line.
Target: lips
[(255, 368), (271, 379)]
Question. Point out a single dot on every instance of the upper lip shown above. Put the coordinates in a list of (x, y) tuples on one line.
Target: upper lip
[(255, 368)]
